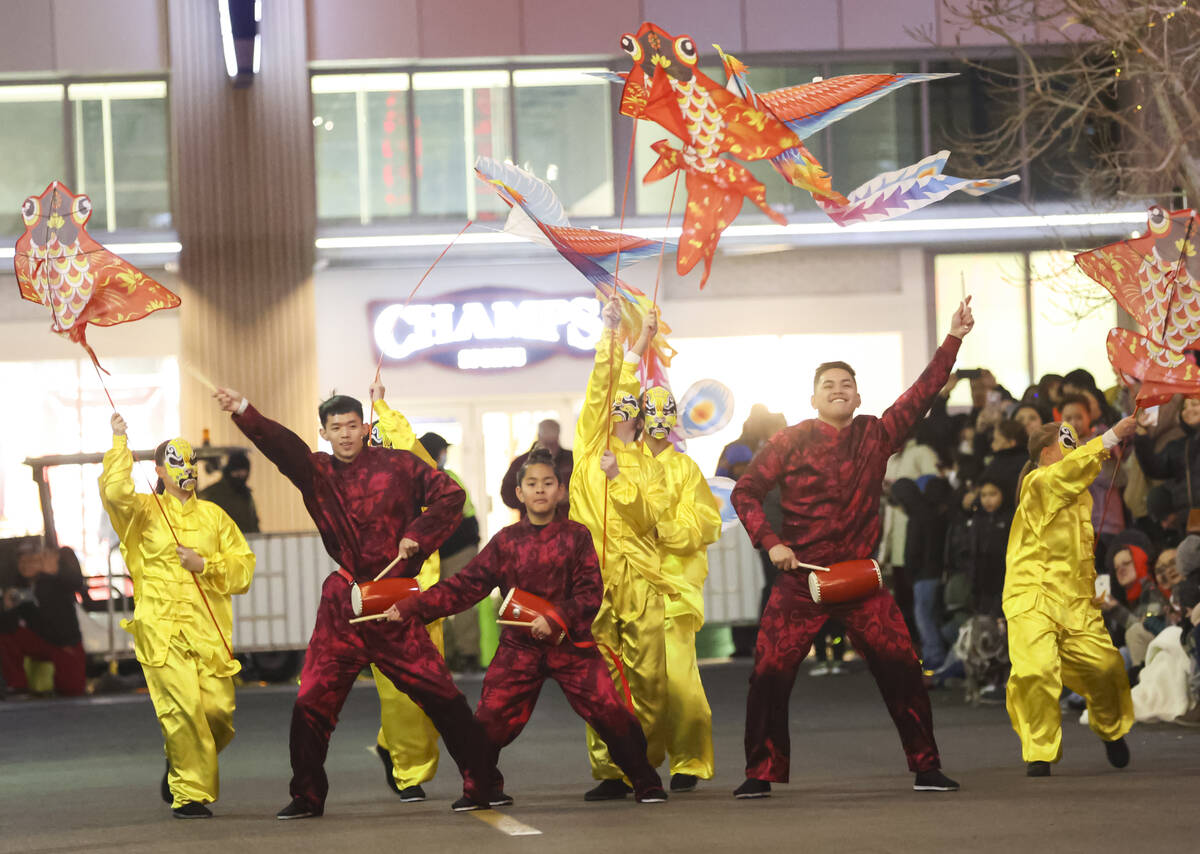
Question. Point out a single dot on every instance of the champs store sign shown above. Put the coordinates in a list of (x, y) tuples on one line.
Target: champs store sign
[(485, 329)]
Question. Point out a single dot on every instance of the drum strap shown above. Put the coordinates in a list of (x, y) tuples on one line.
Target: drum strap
[(557, 617), (345, 573)]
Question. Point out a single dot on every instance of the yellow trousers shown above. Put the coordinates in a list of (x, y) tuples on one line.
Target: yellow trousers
[(689, 718), (1045, 656), (195, 712), (630, 620), (405, 731)]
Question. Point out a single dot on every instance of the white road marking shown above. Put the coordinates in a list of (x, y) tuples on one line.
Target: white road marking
[(505, 823)]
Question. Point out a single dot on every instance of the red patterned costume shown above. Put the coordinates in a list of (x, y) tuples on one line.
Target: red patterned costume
[(558, 562), (831, 482), (362, 510)]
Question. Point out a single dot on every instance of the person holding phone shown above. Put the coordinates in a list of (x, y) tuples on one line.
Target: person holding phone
[(1056, 635)]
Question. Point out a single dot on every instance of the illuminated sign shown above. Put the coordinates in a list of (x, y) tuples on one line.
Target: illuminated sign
[(485, 328)]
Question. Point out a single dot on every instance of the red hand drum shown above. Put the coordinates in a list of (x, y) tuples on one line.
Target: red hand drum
[(375, 597), (845, 581), (523, 608)]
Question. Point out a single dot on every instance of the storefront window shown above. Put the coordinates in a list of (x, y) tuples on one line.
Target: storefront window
[(65, 411), (460, 115), (564, 136), (1072, 316), (31, 147), (362, 147), (120, 153)]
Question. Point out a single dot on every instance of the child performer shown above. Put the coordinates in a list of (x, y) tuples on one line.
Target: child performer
[(182, 622), (553, 558), (620, 493), (684, 533), (830, 471), (1056, 635), (407, 740), (361, 499)]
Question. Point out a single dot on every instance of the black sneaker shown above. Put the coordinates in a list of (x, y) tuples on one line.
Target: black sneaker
[(934, 781), (752, 788), (652, 796), (297, 809), (389, 771), (1118, 753), (465, 804), (608, 790), (165, 791), (192, 809), (411, 794), (684, 782), (1037, 768), (499, 799)]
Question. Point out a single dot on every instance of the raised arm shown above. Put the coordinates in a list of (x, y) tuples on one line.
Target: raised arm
[(898, 420), (394, 429), (1067, 479), (117, 494), (591, 430), (290, 454)]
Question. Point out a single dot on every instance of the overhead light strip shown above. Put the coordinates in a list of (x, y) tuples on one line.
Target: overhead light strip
[(123, 249)]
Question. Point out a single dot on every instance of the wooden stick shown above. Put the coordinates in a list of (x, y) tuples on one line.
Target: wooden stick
[(511, 623), (812, 566), (368, 617), (388, 568), (196, 375)]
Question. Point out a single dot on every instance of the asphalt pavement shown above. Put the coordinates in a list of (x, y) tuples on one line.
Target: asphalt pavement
[(83, 775)]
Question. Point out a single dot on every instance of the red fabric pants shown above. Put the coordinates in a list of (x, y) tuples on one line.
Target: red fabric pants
[(877, 631), (511, 687), (70, 662), (404, 653)]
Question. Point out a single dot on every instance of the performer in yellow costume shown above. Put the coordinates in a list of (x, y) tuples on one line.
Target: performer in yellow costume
[(407, 742), (183, 638), (1055, 632), (692, 523), (620, 494)]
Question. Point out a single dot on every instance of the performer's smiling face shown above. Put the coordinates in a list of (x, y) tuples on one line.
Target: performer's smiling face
[(538, 491), (836, 396), (346, 433)]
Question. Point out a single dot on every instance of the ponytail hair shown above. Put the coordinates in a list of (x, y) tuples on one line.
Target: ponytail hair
[(160, 459), (1039, 440)]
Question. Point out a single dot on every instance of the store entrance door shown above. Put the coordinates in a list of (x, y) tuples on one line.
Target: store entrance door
[(485, 435)]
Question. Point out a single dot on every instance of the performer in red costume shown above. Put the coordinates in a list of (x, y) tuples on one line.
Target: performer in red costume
[(364, 499), (554, 558), (830, 473)]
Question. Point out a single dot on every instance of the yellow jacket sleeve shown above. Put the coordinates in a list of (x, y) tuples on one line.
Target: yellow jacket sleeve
[(695, 521), (117, 494), (1063, 482), (639, 494), (229, 570), (396, 432), (591, 430)]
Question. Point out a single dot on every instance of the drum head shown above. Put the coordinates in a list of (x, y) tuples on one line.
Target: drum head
[(356, 600), (814, 587)]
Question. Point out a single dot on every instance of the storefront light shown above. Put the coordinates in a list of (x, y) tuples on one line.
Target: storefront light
[(492, 357)]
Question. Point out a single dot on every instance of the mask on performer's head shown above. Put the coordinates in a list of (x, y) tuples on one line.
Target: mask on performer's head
[(180, 463), (659, 411), (625, 408), (375, 440), (1067, 440)]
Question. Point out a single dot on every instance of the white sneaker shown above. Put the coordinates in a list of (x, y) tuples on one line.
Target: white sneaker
[(836, 669), (820, 669)]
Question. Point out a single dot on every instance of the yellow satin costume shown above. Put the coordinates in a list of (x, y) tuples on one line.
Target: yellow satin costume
[(405, 731), (189, 672), (1055, 634), (690, 525), (631, 615)]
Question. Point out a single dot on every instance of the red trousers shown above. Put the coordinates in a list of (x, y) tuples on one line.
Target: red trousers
[(70, 662), (876, 629), (511, 687), (403, 652)]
